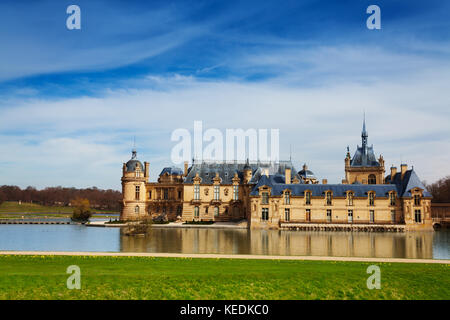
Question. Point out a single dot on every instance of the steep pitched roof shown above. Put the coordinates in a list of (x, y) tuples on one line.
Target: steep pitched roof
[(410, 181)]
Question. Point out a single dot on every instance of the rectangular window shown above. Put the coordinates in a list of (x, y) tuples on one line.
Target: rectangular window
[(329, 215), (265, 198), (287, 198), (350, 216), (308, 214), (287, 214), (265, 214), (328, 198), (392, 198), (372, 216), (308, 198), (393, 216), (235, 193), (417, 216), (180, 194), (137, 193), (150, 195), (196, 192), (166, 194), (416, 200), (196, 212), (371, 199), (216, 192), (216, 211)]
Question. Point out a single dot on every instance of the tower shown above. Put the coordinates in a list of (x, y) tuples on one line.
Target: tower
[(134, 179), (364, 167)]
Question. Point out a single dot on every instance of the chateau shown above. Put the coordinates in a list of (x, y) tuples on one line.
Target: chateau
[(275, 195)]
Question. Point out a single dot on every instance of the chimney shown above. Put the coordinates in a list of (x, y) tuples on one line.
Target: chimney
[(287, 175), (403, 168), (393, 172), (147, 169), (324, 181), (186, 165)]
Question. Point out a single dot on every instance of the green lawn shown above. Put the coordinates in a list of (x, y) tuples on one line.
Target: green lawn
[(44, 277), (55, 211)]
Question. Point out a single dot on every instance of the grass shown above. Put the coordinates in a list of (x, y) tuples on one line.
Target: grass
[(44, 277), (10, 209)]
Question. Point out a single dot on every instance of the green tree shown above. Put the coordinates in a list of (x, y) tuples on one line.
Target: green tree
[(81, 210)]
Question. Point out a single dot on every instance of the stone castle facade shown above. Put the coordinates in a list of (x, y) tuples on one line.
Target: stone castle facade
[(275, 195)]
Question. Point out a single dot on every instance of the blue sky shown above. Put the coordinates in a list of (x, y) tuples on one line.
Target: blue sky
[(71, 101)]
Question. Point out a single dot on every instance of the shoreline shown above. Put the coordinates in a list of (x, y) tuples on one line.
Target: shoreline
[(224, 256)]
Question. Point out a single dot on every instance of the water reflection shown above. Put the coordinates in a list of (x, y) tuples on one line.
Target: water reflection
[(271, 242)]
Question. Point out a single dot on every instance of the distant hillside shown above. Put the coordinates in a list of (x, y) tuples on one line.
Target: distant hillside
[(61, 197)]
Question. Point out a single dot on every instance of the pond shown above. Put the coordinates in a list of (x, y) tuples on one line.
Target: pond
[(420, 245)]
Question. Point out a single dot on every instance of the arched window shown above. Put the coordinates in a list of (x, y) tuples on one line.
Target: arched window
[(216, 211), (372, 179), (136, 209), (196, 212)]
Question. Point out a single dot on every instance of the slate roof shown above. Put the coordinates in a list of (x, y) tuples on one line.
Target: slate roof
[(402, 187), (339, 190), (133, 164), (409, 182), (364, 157), (172, 170), (207, 171)]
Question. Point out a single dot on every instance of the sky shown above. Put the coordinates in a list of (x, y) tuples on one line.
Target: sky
[(73, 101)]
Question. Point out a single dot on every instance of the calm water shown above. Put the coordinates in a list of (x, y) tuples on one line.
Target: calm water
[(195, 240)]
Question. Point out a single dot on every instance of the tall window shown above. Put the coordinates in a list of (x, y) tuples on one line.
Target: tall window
[(216, 211), (328, 198), (308, 214), (392, 198), (417, 216), (180, 194), (350, 216), (372, 215), (265, 214), (265, 198), (236, 192), (329, 215), (216, 192), (287, 198), (372, 179), (166, 194), (350, 198), (287, 214), (136, 209), (308, 197), (196, 211), (196, 192), (393, 216), (137, 192), (416, 200), (138, 173), (371, 199), (150, 195)]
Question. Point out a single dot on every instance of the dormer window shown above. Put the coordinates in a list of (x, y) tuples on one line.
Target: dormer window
[(392, 198), (371, 199), (350, 198), (307, 197), (417, 200), (328, 198), (265, 198), (138, 172), (287, 197)]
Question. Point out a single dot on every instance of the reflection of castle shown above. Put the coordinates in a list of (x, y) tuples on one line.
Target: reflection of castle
[(267, 194), (269, 242)]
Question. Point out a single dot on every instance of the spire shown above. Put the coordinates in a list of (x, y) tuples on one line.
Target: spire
[(364, 134), (133, 151)]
